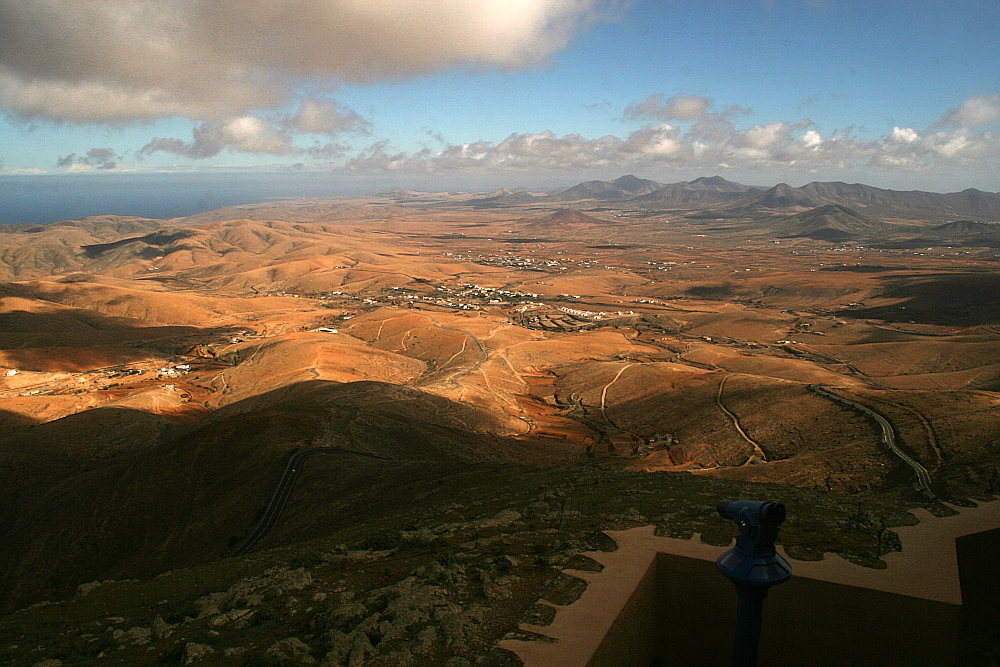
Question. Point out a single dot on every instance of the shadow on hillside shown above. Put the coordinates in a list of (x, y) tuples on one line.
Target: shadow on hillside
[(96, 434), (80, 339), (178, 502), (944, 299), (14, 420), (397, 421), (146, 247)]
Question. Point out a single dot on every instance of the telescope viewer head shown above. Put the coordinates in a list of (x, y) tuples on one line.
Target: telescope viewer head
[(754, 561)]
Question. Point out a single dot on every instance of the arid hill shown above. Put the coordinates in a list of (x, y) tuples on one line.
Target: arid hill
[(620, 188), (699, 192), (831, 222), (155, 376), (566, 219), (966, 228)]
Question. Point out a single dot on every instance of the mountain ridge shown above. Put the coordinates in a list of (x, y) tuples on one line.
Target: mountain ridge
[(729, 198)]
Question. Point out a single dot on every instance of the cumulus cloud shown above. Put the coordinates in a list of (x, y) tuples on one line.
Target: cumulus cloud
[(121, 60), (976, 111), (541, 150), (708, 124), (324, 116), (246, 134), (95, 158), (907, 149), (699, 137), (268, 136), (903, 136)]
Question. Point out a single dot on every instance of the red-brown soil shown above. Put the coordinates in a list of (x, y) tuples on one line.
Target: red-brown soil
[(637, 322), (439, 331)]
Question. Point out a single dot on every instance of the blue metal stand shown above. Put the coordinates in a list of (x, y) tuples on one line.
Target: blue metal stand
[(754, 566)]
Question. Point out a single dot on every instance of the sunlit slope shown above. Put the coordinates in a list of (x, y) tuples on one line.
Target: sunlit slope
[(261, 366), (600, 329), (29, 251), (153, 307)]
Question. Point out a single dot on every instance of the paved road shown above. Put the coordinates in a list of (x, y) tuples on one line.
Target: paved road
[(280, 497), (888, 437)]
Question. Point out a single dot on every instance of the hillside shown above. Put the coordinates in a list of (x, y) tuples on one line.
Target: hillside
[(620, 188), (831, 222), (565, 219), (966, 227), (701, 191), (524, 377), (445, 542)]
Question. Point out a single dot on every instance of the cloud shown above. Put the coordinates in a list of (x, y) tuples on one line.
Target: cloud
[(122, 60), (708, 124), (95, 158), (324, 116), (678, 107), (246, 134), (528, 151), (268, 136), (252, 134), (976, 111), (700, 138), (436, 136), (907, 149), (903, 136), (682, 108)]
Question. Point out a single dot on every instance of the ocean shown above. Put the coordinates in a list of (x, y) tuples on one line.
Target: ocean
[(45, 199)]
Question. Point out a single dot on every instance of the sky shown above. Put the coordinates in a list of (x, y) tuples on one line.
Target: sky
[(351, 96)]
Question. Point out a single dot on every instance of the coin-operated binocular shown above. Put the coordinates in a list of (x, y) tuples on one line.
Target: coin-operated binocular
[(754, 566)]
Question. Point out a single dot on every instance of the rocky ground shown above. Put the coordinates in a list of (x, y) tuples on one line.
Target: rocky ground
[(437, 587)]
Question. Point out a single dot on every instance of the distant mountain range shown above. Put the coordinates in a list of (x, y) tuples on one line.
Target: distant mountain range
[(722, 198)]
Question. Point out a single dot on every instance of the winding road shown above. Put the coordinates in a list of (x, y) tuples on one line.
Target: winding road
[(758, 455), (280, 497), (888, 437), (604, 392)]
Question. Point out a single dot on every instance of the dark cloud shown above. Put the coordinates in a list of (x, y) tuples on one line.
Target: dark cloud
[(96, 158), (120, 60)]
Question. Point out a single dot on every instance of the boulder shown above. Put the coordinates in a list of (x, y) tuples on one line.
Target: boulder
[(293, 649), (194, 652)]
